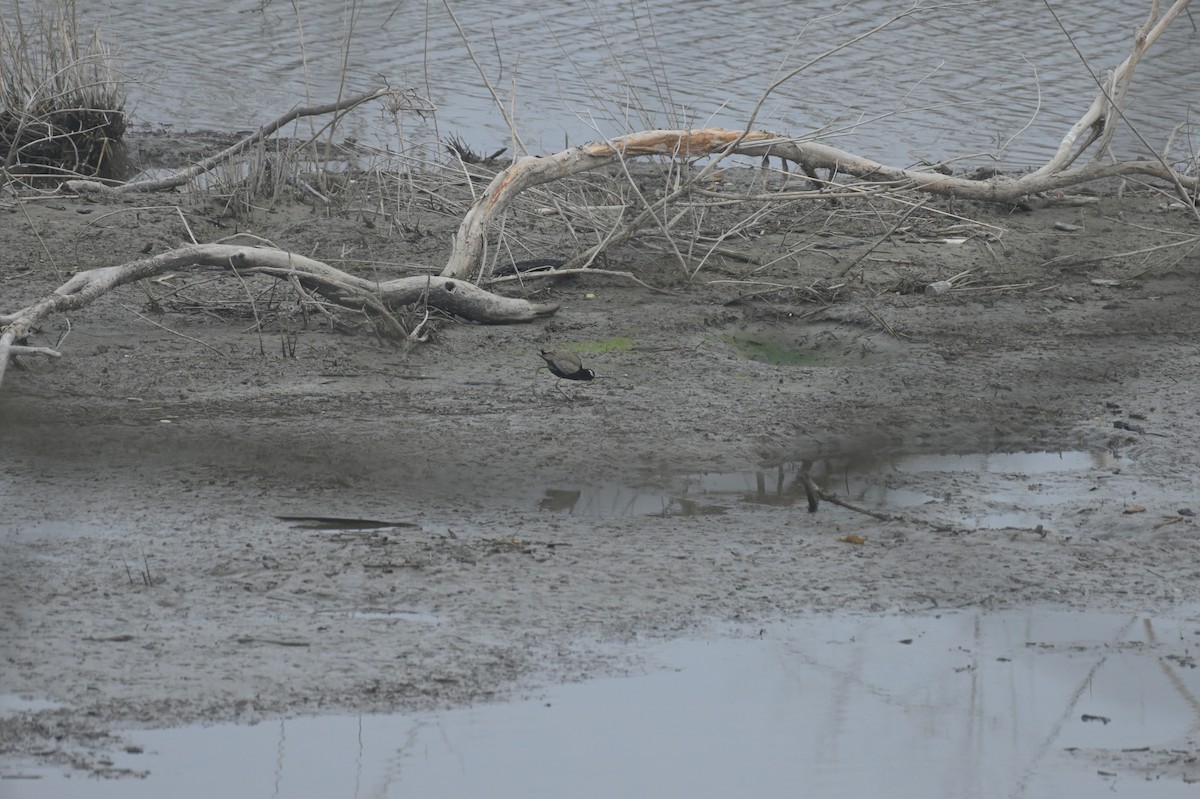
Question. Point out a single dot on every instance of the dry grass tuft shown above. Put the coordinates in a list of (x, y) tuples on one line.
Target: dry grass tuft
[(62, 99)]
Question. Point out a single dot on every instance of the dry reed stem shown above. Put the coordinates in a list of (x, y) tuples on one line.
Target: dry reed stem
[(891, 231), (61, 98)]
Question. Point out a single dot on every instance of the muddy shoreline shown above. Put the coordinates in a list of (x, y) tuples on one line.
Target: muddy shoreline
[(148, 582)]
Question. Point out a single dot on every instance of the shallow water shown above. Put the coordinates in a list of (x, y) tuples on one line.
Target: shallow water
[(887, 483), (10, 705), (973, 78), (960, 704), (975, 490)]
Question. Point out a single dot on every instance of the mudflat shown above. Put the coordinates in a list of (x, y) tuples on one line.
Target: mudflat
[(514, 537)]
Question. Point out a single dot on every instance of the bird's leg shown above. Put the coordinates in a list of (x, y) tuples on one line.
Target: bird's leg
[(533, 382), (560, 391)]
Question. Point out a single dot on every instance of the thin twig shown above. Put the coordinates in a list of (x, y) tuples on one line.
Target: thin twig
[(175, 332), (518, 145), (262, 348), (884, 324), (829, 496), (587, 270), (1067, 262), (890, 232)]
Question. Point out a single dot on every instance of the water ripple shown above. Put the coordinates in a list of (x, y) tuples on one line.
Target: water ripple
[(943, 83)]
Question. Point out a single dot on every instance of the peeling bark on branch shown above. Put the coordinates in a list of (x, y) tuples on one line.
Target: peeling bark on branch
[(446, 294)]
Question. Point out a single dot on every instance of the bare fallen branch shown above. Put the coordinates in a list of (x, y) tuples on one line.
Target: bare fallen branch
[(470, 240), (181, 177), (446, 294), (524, 173), (18, 349)]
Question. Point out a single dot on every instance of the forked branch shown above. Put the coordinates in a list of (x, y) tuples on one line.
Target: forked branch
[(1099, 119)]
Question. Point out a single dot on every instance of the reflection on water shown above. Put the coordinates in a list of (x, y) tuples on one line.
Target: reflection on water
[(560, 500), (983, 490), (978, 705), (882, 482), (1028, 463), (612, 500), (955, 80)]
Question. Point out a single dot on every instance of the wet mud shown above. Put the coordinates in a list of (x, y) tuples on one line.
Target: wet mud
[(1029, 437)]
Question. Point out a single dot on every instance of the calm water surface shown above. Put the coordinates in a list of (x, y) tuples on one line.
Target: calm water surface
[(972, 78), (1009, 705)]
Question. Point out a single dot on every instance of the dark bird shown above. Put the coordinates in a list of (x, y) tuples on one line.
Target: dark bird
[(565, 365)]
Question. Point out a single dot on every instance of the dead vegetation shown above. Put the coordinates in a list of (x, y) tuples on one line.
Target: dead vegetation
[(62, 99)]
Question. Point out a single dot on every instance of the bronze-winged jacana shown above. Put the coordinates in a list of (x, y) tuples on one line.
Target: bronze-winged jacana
[(565, 365)]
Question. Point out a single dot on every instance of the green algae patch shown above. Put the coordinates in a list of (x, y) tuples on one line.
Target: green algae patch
[(776, 351)]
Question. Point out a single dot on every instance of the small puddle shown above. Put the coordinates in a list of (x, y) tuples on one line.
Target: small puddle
[(342, 523), (611, 500), (1024, 703), (883, 482), (11, 704)]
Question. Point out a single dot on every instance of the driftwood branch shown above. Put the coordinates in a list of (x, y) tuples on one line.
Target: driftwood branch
[(470, 240), (1098, 122), (397, 97), (530, 171), (18, 349), (446, 294)]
